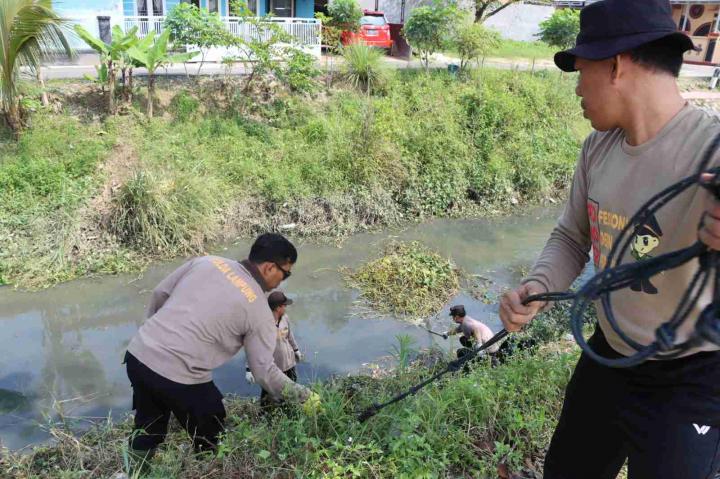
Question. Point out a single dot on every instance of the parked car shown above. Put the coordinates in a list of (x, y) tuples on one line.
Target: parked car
[(374, 31)]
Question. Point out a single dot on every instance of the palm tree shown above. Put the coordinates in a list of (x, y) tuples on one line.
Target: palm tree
[(29, 30)]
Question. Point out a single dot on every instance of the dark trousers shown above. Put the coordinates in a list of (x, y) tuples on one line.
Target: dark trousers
[(266, 400), (198, 408), (663, 417)]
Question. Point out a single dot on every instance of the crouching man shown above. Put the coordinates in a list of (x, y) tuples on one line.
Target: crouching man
[(287, 351), (199, 317)]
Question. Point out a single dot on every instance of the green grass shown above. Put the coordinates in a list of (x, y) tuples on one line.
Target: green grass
[(463, 426), (520, 49), (216, 166)]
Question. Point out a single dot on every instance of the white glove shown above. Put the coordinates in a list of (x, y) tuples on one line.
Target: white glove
[(249, 377), (299, 356)]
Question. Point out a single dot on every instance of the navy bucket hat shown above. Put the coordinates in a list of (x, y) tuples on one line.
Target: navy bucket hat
[(610, 27)]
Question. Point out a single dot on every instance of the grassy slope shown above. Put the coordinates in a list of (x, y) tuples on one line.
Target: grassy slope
[(462, 427), (82, 195)]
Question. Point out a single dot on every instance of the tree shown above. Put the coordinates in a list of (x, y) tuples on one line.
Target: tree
[(561, 29), (346, 14), (473, 41), (152, 55), (29, 31), (430, 28), (193, 26), (485, 9), (110, 55)]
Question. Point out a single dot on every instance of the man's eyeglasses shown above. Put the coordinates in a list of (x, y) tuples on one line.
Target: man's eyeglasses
[(286, 273)]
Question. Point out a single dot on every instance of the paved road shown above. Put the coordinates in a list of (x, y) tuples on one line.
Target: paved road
[(85, 65)]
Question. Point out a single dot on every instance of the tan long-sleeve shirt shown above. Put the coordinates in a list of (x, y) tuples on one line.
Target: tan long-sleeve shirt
[(612, 181), (286, 345), (201, 315)]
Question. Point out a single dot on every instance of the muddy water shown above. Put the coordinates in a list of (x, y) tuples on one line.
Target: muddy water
[(61, 349)]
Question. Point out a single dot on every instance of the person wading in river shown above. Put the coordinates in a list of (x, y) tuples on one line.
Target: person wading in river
[(473, 332), (287, 352), (199, 317), (663, 417)]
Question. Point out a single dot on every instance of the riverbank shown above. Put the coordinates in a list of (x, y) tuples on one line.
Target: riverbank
[(83, 194), (488, 423)]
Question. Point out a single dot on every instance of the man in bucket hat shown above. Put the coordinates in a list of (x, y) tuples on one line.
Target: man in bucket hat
[(662, 417)]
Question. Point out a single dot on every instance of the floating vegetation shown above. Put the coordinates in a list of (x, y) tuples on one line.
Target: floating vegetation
[(409, 280)]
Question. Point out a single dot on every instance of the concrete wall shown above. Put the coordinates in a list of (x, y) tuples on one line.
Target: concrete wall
[(85, 13), (392, 7), (519, 21)]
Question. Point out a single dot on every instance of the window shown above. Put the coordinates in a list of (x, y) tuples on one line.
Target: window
[(703, 30), (149, 8), (684, 22), (696, 11), (374, 20), (214, 6), (281, 8)]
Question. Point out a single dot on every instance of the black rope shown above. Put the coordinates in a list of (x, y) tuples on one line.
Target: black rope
[(620, 276)]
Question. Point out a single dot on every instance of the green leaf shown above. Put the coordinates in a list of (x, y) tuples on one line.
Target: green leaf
[(264, 454), (94, 43)]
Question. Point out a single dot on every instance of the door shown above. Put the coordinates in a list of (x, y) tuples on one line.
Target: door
[(282, 8)]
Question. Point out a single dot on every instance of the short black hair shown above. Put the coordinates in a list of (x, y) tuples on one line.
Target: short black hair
[(272, 247), (662, 55)]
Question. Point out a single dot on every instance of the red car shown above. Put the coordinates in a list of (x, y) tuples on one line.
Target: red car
[(374, 31)]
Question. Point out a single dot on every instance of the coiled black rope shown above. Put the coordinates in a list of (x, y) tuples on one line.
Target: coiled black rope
[(619, 276)]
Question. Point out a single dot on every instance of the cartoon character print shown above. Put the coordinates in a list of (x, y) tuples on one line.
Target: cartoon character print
[(647, 238)]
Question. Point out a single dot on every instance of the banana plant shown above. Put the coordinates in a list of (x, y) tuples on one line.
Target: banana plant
[(152, 54), (110, 54), (101, 78)]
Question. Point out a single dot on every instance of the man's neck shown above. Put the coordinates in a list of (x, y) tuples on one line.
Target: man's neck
[(255, 273), (651, 106)]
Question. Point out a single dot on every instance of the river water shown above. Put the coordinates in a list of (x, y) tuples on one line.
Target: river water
[(61, 348)]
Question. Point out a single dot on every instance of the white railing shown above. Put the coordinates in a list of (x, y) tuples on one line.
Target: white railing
[(303, 31)]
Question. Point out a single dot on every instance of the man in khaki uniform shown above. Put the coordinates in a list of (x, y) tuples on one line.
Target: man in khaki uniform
[(199, 317), (287, 352)]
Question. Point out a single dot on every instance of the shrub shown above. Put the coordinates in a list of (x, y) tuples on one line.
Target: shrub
[(331, 33), (429, 29), (193, 26), (561, 29), (184, 105), (346, 14), (363, 66), (473, 41), (300, 72)]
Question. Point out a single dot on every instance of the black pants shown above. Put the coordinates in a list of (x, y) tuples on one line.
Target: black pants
[(663, 417), (198, 408), (266, 400)]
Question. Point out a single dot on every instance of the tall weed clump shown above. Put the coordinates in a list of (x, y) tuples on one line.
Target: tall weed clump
[(363, 67), (170, 216)]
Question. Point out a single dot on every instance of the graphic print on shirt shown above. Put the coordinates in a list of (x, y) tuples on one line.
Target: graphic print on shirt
[(647, 238), (605, 224)]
